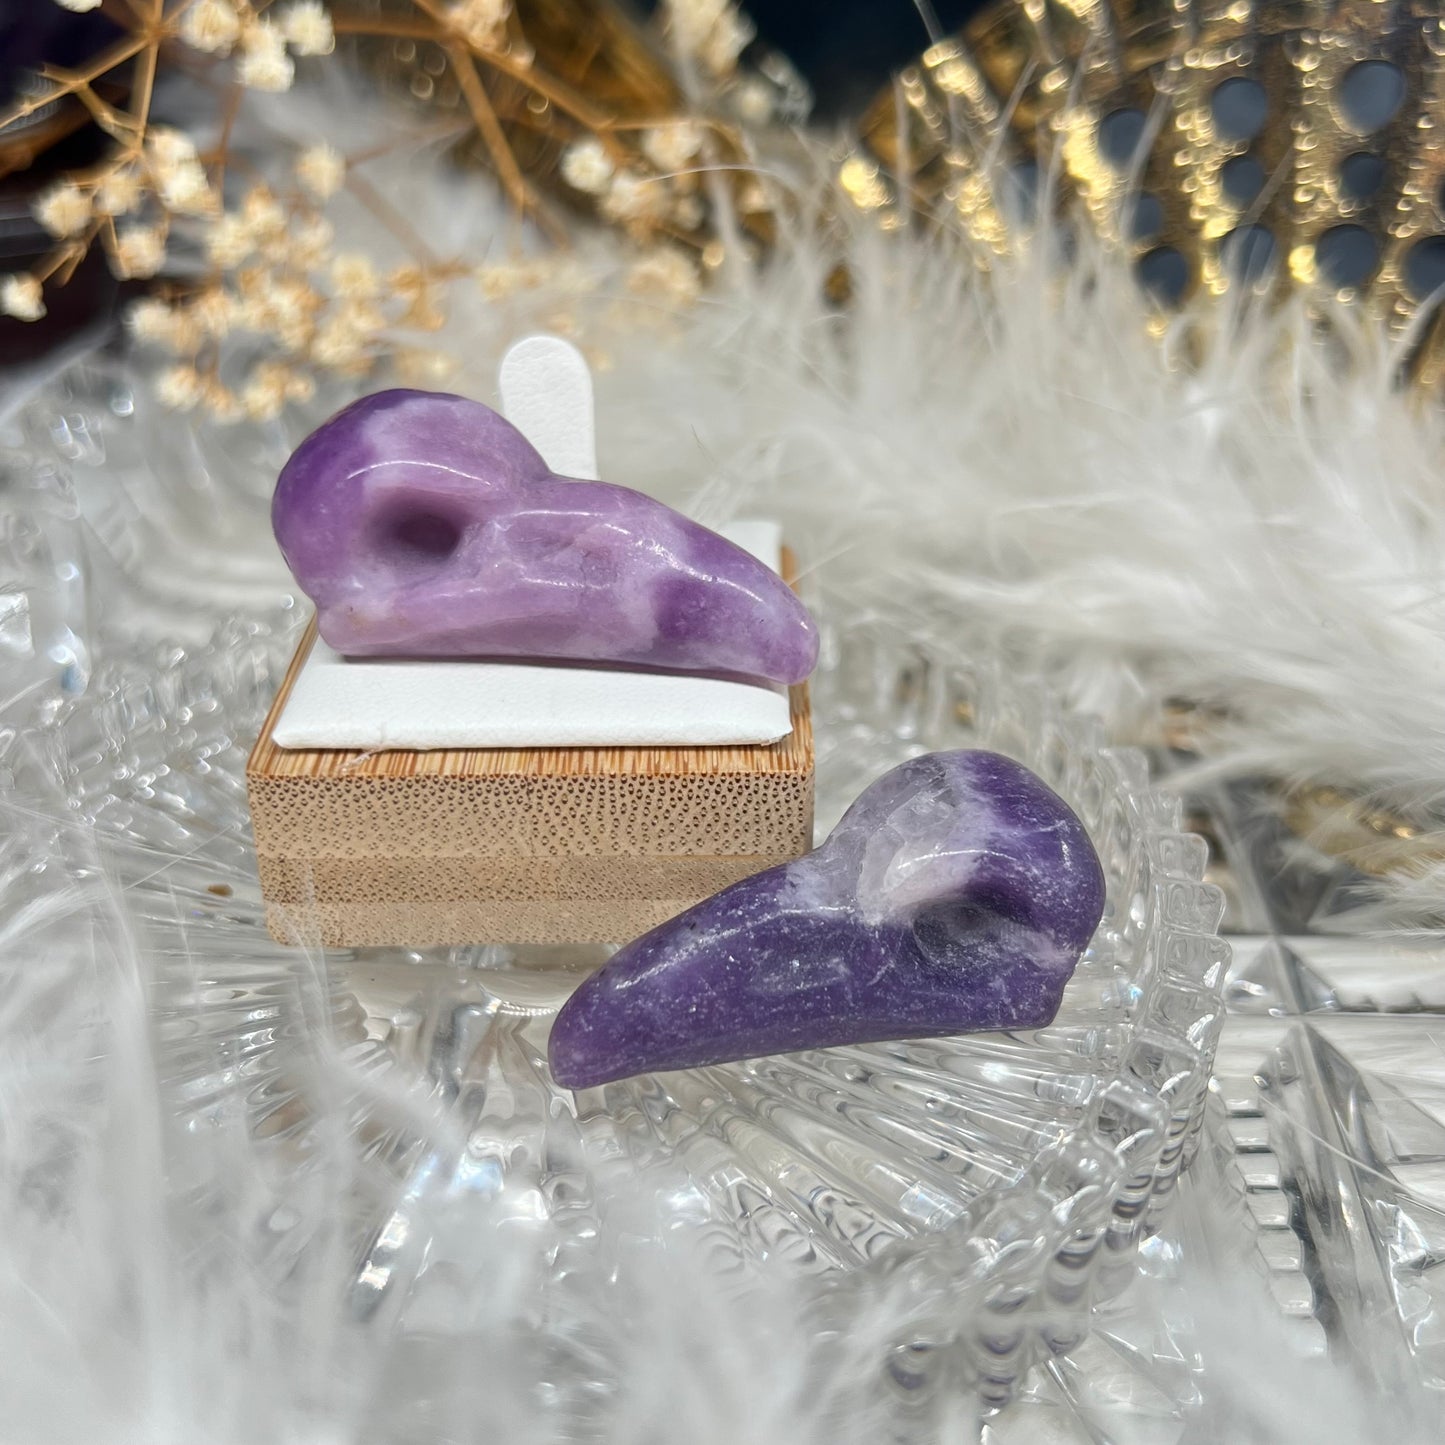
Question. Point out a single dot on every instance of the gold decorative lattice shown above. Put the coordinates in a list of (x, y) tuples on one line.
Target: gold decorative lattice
[(1274, 143)]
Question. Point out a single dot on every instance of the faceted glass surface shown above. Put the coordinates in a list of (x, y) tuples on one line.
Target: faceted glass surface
[(369, 1143)]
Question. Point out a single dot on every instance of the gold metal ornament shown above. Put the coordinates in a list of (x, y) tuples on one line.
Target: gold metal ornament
[(1376, 841), (1272, 144)]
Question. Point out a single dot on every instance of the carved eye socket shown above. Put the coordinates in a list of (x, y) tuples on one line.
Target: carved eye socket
[(948, 932), (418, 535), (963, 931)]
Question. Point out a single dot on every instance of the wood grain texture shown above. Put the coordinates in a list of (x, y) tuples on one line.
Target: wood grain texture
[(406, 923), (548, 845)]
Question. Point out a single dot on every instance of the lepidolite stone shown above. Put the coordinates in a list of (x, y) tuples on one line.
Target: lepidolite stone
[(956, 894), (425, 525)]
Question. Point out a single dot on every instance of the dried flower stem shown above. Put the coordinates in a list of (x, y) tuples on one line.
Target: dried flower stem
[(228, 124), (392, 27), (390, 217), (273, 270), (562, 96), (125, 49), (567, 100), (490, 129), (146, 81)]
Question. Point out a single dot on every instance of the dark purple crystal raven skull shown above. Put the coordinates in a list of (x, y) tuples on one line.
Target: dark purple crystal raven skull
[(956, 895)]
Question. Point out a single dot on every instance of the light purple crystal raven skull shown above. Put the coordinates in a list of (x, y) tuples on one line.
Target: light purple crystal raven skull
[(956, 895), (425, 525)]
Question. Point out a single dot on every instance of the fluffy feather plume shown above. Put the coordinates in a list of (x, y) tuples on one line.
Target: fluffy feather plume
[(1242, 514)]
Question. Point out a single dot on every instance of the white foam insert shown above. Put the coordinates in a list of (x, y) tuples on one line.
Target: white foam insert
[(374, 703)]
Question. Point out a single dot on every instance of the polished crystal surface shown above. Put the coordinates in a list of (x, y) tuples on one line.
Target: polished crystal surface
[(955, 895), (426, 525)]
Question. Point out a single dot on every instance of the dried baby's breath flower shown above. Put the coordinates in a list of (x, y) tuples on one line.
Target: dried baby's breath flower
[(167, 146), (407, 282), (264, 62), (322, 170), (307, 28), (634, 197), (294, 322), (211, 25), (417, 366), (424, 314), (300, 386), (187, 191), (296, 293), (262, 214), (294, 331), (362, 316), (498, 282), (690, 21), (265, 391), (283, 307), (353, 276), (214, 312), (587, 167), (253, 285), (507, 278), (228, 240), (270, 386), (671, 147), (688, 212), (20, 297), (253, 295), (277, 248), (180, 179), (713, 32), (729, 38), (119, 191), (140, 251), (222, 403), (481, 23), (358, 319), (311, 242), (167, 325), (753, 101), (667, 274), (180, 387), (412, 284), (151, 319), (64, 210), (338, 344), (754, 197)]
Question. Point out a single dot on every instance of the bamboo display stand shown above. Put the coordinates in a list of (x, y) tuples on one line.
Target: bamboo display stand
[(553, 845), (545, 845)]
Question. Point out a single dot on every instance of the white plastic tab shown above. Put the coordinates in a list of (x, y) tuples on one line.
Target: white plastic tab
[(547, 395)]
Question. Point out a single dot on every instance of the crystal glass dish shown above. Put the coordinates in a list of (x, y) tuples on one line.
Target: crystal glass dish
[(369, 1143)]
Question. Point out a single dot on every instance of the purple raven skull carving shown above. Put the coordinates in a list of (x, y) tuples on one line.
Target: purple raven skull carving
[(426, 525), (956, 895)]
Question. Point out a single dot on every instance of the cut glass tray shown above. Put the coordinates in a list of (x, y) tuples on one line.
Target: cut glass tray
[(370, 1142)]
